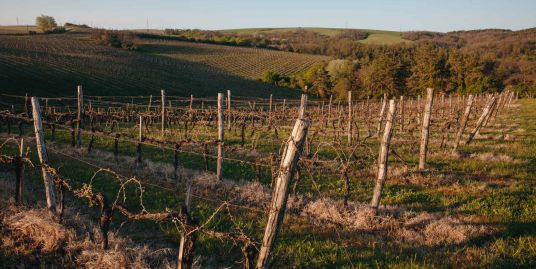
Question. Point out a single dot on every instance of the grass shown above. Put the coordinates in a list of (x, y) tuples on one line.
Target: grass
[(499, 194)]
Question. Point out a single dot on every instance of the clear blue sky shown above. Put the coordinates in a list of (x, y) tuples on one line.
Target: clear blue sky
[(435, 15)]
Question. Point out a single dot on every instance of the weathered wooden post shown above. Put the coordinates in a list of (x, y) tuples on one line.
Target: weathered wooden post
[(349, 129), (219, 168), (79, 115), (140, 140), (384, 155), (287, 169), (185, 257), (464, 120), (382, 115), (43, 157), (150, 103), (229, 118), (493, 109), (163, 94), (485, 112), (425, 133)]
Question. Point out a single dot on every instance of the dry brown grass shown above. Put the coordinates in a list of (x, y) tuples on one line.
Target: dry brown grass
[(31, 233), (36, 226), (492, 157), (411, 227)]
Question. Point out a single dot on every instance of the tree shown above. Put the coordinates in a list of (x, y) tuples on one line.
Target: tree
[(46, 23), (385, 74)]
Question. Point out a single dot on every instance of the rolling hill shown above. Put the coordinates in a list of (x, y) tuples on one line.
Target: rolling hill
[(245, 62), (55, 64), (379, 37)]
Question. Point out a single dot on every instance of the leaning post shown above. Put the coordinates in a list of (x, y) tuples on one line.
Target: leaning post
[(384, 155), (425, 132), (43, 157), (287, 169), (463, 122)]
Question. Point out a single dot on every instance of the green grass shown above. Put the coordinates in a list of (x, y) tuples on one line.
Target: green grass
[(499, 194)]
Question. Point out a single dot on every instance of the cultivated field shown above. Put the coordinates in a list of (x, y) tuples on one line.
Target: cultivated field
[(246, 62), (472, 205), (52, 64)]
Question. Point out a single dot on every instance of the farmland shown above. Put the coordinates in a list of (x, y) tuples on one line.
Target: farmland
[(245, 62), (51, 64), (180, 148), (470, 207)]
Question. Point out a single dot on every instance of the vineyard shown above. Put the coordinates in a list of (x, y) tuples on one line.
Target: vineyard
[(52, 64), (230, 181), (246, 62)]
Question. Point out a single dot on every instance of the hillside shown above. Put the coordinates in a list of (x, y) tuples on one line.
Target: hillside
[(55, 64), (245, 62), (379, 37)]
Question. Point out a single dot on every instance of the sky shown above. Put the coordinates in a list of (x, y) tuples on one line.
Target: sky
[(432, 15)]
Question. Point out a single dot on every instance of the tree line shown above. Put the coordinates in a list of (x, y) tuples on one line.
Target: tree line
[(458, 62)]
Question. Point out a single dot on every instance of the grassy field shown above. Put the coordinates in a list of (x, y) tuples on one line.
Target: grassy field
[(467, 210), (55, 64), (17, 29), (378, 37)]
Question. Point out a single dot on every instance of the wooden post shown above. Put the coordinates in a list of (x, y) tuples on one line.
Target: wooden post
[(163, 94), (150, 102), (384, 155), (303, 103), (287, 169), (140, 140), (19, 174), (219, 168), (493, 108), (487, 110), (382, 115), (349, 128), (463, 122), (79, 115), (182, 263), (43, 157), (229, 110), (425, 133)]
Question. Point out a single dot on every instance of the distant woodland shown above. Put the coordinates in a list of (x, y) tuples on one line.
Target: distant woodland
[(455, 62)]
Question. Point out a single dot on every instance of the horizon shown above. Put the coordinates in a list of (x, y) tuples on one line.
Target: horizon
[(388, 15)]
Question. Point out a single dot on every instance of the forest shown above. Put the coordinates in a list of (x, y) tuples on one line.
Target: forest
[(460, 62)]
